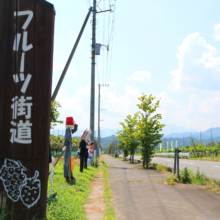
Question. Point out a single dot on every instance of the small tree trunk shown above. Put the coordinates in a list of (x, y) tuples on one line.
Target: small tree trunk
[(146, 158)]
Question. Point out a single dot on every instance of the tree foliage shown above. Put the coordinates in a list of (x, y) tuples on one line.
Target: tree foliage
[(148, 126), (142, 130), (54, 114), (127, 135), (112, 147), (57, 143)]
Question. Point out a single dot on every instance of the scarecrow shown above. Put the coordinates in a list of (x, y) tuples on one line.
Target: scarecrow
[(83, 149), (71, 128)]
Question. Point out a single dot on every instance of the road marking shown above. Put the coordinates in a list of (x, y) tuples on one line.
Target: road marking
[(188, 162), (217, 166)]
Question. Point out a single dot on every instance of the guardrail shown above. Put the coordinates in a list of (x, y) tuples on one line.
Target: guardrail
[(172, 154)]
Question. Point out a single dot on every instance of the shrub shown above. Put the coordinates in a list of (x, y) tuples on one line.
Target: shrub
[(199, 179), (161, 167), (172, 180), (186, 176)]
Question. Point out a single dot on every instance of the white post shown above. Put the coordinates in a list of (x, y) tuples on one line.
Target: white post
[(52, 172), (51, 189), (94, 157)]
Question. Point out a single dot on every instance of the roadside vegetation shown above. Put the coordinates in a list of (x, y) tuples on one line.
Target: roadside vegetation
[(187, 176), (68, 203), (110, 211)]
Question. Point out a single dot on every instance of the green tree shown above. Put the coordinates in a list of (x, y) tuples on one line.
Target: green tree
[(148, 126), (75, 144), (112, 147), (122, 138), (54, 114), (56, 143), (129, 135)]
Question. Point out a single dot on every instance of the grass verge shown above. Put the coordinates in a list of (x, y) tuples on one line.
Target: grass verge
[(110, 211), (188, 177), (68, 204)]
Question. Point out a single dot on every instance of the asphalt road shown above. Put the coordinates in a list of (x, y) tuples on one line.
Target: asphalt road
[(209, 168), (139, 196)]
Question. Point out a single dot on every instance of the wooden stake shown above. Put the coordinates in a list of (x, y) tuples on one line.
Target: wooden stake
[(70, 169)]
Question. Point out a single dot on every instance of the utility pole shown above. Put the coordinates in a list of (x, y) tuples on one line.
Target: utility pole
[(211, 137), (99, 120), (92, 99)]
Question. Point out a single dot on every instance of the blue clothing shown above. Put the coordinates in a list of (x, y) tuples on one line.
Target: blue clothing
[(89, 160), (68, 144)]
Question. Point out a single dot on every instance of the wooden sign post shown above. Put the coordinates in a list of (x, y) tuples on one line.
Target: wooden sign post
[(26, 55)]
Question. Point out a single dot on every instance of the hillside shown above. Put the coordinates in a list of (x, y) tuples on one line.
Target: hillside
[(107, 140)]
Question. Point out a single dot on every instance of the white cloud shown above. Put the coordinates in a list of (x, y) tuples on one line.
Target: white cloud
[(200, 114), (59, 60), (74, 73), (139, 76), (58, 65), (216, 34), (58, 54), (113, 84), (122, 104), (74, 36), (199, 68)]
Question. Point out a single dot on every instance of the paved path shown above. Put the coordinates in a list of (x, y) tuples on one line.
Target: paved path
[(209, 168), (138, 197)]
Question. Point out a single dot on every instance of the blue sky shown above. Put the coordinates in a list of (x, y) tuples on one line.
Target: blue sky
[(168, 48)]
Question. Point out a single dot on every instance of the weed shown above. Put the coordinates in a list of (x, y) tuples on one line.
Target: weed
[(199, 178), (211, 182), (161, 168), (185, 175), (172, 180)]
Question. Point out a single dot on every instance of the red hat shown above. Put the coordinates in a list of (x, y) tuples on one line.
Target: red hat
[(70, 121)]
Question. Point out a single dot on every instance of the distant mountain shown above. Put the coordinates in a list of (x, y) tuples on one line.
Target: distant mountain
[(183, 138), (107, 140), (168, 129), (215, 132), (103, 132), (171, 128), (108, 132)]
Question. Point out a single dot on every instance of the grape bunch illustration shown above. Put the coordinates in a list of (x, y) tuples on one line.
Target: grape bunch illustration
[(13, 177), (17, 185)]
